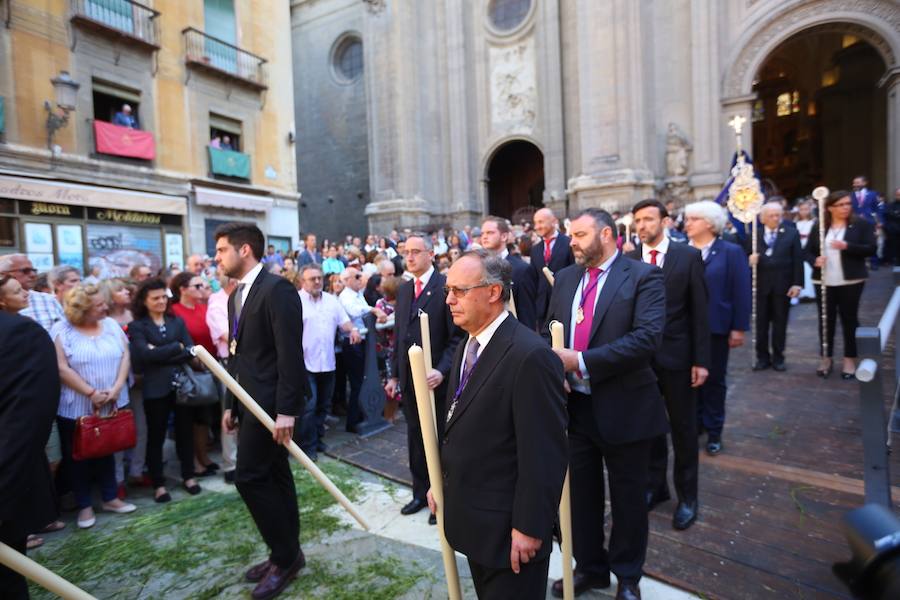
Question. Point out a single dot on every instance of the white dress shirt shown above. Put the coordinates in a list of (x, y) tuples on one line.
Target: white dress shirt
[(662, 248), (425, 278), (483, 338), (248, 280), (355, 305), (581, 384), (321, 318)]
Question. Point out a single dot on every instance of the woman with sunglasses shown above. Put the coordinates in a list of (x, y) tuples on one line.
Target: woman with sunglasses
[(849, 240), (189, 296)]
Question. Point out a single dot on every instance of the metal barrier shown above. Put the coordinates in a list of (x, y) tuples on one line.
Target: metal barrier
[(871, 342)]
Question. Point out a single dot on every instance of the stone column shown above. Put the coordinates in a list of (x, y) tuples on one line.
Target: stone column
[(551, 103), (709, 151)]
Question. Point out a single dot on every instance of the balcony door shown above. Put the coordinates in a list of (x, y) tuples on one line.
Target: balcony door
[(115, 13), (220, 23)]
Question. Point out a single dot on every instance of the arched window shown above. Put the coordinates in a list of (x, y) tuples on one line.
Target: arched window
[(348, 59), (506, 15)]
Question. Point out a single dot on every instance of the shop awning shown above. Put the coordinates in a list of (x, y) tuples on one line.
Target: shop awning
[(61, 192), (235, 200)]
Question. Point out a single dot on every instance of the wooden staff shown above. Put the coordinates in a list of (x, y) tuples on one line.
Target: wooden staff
[(433, 460), (557, 335), (263, 417), (41, 575), (821, 195), (754, 238), (548, 274), (425, 329)]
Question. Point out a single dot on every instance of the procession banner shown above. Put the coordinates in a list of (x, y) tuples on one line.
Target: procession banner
[(124, 141)]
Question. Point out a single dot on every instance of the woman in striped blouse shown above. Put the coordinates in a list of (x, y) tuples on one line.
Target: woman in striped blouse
[(92, 352)]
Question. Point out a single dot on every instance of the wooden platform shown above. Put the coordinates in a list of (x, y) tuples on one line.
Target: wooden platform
[(771, 504)]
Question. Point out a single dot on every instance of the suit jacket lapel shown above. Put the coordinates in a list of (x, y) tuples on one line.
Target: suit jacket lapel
[(487, 362), (427, 292), (669, 261), (714, 249), (618, 273), (251, 302), (567, 296), (558, 248)]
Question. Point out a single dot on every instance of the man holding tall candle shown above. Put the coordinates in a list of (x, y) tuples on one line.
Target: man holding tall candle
[(425, 292), (504, 455)]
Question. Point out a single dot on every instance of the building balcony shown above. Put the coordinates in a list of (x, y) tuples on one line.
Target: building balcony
[(217, 57), (229, 164), (125, 142), (123, 20)]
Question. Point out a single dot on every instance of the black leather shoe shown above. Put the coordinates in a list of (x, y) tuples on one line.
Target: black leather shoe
[(713, 445), (657, 497), (628, 591), (761, 365), (257, 572), (779, 366), (276, 579), (229, 476), (685, 515), (432, 519), (583, 582), (414, 506)]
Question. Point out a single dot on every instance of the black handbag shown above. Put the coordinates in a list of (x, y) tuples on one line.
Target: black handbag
[(195, 388)]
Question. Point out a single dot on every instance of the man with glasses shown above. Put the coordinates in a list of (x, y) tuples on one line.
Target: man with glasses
[(43, 308), (322, 316), (423, 292), (355, 305)]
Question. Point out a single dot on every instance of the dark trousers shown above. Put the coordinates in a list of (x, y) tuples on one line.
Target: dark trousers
[(503, 584), (418, 467), (772, 309), (158, 411), (312, 424), (681, 405), (12, 585), (339, 396), (264, 480), (892, 249), (840, 300), (82, 473), (628, 468), (711, 395), (355, 364)]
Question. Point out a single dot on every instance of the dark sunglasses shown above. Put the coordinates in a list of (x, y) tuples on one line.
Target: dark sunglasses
[(25, 271)]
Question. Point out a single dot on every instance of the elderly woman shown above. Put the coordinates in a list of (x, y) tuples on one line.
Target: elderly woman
[(92, 352), (728, 280), (159, 345), (849, 240)]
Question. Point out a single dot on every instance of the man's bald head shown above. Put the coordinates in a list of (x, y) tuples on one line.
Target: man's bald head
[(545, 222), (195, 264)]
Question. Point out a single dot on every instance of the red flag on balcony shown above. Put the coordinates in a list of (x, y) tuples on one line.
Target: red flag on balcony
[(122, 141)]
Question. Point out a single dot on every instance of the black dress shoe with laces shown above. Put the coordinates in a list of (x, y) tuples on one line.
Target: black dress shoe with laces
[(628, 591), (713, 445), (685, 515), (761, 365), (414, 506), (432, 519), (583, 582), (657, 497)]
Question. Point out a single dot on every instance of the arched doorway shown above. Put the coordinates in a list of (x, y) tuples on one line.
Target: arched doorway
[(819, 114), (515, 179)]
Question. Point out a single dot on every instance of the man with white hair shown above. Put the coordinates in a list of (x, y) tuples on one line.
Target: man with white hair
[(43, 308), (779, 268)]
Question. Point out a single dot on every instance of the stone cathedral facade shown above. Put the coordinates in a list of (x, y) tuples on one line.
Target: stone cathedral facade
[(415, 113)]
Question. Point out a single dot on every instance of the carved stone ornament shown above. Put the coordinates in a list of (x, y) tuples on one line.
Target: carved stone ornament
[(678, 151), (375, 6)]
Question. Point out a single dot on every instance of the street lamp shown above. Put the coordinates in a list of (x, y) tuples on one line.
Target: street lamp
[(66, 89)]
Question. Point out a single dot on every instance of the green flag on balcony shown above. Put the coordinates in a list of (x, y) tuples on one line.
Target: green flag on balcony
[(229, 162)]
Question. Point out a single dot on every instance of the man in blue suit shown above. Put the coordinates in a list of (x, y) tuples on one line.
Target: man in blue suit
[(866, 206)]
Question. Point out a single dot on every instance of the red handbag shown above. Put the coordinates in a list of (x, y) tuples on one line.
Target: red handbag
[(96, 436)]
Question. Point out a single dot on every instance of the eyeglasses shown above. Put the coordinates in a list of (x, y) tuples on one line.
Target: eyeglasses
[(24, 271), (460, 292)]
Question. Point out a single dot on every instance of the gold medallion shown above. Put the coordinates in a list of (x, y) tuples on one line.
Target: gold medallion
[(579, 316), (233, 347)]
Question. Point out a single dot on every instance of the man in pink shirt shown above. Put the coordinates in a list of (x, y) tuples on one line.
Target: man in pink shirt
[(217, 321)]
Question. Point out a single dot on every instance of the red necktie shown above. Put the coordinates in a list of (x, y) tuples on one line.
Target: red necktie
[(418, 288), (588, 295), (653, 254), (547, 251)]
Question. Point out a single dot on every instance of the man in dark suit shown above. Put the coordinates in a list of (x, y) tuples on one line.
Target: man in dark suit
[(779, 277), (310, 255), (866, 206), (425, 292), (495, 238), (265, 318), (29, 397), (553, 251), (503, 455), (682, 361), (613, 309)]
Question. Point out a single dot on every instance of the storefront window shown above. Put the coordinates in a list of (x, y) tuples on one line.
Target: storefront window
[(8, 232), (116, 249), (7, 206), (69, 246), (39, 245)]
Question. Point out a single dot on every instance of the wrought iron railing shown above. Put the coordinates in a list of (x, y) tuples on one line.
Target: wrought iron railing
[(125, 17), (212, 53)]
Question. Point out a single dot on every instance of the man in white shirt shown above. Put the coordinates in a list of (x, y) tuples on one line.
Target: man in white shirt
[(322, 316), (355, 305)]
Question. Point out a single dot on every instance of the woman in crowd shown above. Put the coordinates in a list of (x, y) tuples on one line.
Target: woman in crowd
[(728, 281), (118, 299), (849, 240), (92, 352), (389, 286), (804, 222), (189, 296), (332, 264), (159, 346), (13, 297)]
